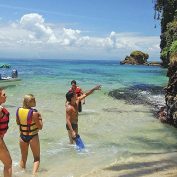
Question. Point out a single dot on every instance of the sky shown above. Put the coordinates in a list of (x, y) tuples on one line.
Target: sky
[(78, 29)]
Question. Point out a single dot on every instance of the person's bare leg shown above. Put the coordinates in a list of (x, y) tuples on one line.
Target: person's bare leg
[(6, 159), (70, 137), (35, 147), (24, 153), (76, 130)]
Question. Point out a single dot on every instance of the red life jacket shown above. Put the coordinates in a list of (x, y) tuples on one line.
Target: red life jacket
[(4, 122), (78, 91)]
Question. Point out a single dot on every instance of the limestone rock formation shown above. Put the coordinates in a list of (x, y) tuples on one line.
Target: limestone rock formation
[(136, 58), (169, 113), (167, 13)]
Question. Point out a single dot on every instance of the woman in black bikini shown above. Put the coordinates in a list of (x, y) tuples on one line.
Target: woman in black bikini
[(30, 122)]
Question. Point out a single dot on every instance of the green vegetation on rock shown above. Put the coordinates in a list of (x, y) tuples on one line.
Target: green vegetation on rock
[(166, 12), (173, 48), (139, 56), (173, 53), (136, 58), (164, 53)]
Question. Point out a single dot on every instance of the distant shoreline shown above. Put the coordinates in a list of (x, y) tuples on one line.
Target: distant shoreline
[(154, 63), (151, 63)]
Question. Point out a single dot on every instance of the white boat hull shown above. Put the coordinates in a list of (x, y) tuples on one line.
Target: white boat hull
[(8, 82)]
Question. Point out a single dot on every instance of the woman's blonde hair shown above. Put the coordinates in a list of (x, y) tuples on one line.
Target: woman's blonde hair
[(27, 102)]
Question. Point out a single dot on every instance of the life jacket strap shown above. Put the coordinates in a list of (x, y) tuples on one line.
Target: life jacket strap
[(22, 125), (5, 122), (28, 131), (2, 129)]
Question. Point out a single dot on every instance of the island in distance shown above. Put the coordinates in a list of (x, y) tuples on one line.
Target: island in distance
[(139, 58)]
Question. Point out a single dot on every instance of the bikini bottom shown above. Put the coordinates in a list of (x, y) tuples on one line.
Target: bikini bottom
[(27, 138)]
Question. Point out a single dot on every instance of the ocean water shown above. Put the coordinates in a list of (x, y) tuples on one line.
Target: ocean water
[(113, 130)]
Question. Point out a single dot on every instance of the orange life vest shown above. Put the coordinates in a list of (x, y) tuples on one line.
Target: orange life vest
[(78, 91)]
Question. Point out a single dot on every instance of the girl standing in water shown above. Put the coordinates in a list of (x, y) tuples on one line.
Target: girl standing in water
[(30, 122)]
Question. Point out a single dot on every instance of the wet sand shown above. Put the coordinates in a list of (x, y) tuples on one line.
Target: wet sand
[(154, 165)]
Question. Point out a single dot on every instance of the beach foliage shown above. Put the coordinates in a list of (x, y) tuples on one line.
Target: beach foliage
[(166, 12), (164, 52), (173, 48), (139, 56), (173, 59)]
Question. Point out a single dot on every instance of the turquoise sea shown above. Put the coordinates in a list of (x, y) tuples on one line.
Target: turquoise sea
[(113, 130)]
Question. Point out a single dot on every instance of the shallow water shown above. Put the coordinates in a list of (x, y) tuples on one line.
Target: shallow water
[(112, 130)]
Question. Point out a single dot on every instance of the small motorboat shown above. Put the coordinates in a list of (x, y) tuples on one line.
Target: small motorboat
[(8, 81)]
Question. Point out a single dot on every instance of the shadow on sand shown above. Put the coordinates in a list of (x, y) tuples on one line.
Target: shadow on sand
[(139, 169)]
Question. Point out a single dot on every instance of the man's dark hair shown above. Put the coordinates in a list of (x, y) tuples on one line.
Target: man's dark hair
[(73, 82), (69, 95)]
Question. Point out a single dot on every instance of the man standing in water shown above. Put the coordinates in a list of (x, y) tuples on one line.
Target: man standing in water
[(72, 111)]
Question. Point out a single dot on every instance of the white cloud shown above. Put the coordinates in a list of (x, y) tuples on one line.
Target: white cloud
[(35, 24), (70, 36), (45, 40)]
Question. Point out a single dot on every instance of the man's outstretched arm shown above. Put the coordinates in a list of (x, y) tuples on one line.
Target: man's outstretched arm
[(98, 87)]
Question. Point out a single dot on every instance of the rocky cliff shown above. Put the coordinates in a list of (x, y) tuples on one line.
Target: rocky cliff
[(166, 11)]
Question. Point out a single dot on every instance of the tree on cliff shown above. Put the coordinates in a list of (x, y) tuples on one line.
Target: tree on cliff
[(166, 11)]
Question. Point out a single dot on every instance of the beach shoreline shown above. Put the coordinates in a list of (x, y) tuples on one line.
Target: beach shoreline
[(149, 165), (114, 131)]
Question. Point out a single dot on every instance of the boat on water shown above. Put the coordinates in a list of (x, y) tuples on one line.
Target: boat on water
[(6, 81), (9, 81)]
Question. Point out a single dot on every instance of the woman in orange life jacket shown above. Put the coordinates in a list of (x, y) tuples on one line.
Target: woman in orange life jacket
[(30, 122), (4, 153), (78, 91)]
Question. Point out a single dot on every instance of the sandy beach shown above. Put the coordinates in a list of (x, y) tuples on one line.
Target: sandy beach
[(128, 127), (154, 165), (121, 139)]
